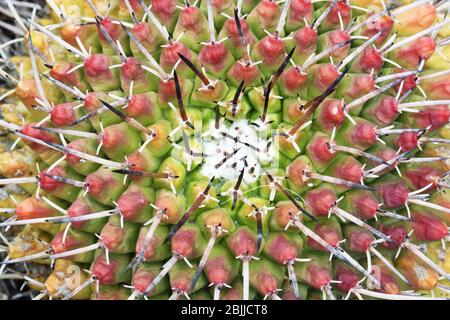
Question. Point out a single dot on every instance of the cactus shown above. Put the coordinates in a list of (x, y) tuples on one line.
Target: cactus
[(268, 150)]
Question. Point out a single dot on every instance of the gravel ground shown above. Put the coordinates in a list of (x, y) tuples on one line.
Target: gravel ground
[(9, 30)]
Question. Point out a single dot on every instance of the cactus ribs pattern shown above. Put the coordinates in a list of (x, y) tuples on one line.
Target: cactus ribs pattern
[(231, 149)]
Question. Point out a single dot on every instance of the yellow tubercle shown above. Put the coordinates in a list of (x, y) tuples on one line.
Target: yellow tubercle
[(367, 3), (415, 20), (445, 132), (437, 61), (441, 257), (444, 32), (29, 241), (65, 278)]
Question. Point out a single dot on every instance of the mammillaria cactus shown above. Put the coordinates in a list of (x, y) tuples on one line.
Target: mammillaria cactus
[(227, 149)]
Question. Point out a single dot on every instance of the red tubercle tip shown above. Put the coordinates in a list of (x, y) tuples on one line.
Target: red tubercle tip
[(320, 149), (217, 271), (131, 69), (131, 203), (28, 130), (398, 235), (364, 133), (49, 184), (326, 74), (213, 54), (394, 194), (136, 162), (386, 111), (113, 138), (283, 213), (78, 208), (293, 79), (434, 116), (183, 242), (164, 9), (141, 280), (169, 55), (300, 9), (190, 18), (336, 37), (327, 233), (366, 206), (182, 284), (422, 176), (384, 23), (350, 171), (78, 145), (69, 32), (143, 32), (318, 276), (320, 201), (407, 141), (60, 72), (104, 272), (92, 102), (388, 284), (112, 235), (341, 8), (347, 278), (267, 283), (96, 64), (151, 245), (305, 38), (422, 48), (97, 183), (270, 47), (63, 114), (114, 30), (295, 110), (428, 227), (243, 243), (167, 203), (371, 59), (296, 172), (281, 249), (244, 72), (232, 31), (139, 105), (167, 89), (267, 11), (386, 154), (333, 114), (360, 241), (31, 208), (425, 47), (409, 83), (361, 85), (59, 245)]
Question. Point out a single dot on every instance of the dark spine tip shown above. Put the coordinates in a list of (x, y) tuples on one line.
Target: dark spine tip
[(114, 110), (240, 90)]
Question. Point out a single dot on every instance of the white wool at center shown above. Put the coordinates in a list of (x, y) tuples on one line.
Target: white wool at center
[(217, 147)]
